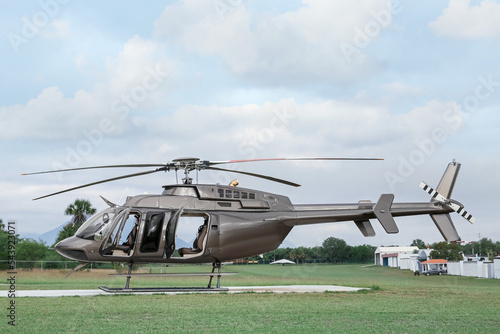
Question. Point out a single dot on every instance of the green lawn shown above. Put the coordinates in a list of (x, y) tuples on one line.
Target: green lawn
[(400, 303)]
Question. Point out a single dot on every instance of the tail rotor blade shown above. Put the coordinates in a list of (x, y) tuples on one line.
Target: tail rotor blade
[(461, 211), (437, 196), (440, 198)]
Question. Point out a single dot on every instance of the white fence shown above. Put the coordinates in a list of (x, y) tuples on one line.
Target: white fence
[(474, 269), (28, 265), (459, 268)]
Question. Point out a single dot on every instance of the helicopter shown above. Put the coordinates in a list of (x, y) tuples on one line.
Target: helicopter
[(229, 222)]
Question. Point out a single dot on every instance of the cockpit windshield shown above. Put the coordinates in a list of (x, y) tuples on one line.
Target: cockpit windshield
[(96, 226)]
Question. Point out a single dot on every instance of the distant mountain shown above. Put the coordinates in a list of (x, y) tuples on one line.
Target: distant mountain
[(51, 236), (33, 236), (179, 243)]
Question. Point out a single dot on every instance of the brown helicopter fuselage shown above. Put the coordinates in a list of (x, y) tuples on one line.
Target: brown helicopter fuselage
[(232, 223)]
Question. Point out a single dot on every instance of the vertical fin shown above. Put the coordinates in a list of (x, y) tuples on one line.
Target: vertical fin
[(445, 226), (445, 186)]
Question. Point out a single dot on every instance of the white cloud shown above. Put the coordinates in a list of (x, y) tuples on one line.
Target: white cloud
[(55, 29), (348, 128), (140, 76), (402, 89), (81, 62), (461, 20), (51, 115), (134, 64), (289, 48), (435, 118)]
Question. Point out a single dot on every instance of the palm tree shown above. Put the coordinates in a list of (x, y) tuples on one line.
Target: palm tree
[(79, 210)]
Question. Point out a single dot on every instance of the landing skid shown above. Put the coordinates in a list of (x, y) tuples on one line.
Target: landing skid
[(209, 288), (161, 290)]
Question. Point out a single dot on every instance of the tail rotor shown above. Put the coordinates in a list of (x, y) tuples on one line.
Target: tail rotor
[(456, 206)]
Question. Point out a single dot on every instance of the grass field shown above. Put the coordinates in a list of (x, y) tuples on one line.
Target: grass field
[(399, 303)]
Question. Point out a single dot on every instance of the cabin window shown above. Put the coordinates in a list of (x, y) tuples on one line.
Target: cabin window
[(229, 194), (191, 234), (251, 196), (236, 194), (244, 195), (152, 232), (221, 192)]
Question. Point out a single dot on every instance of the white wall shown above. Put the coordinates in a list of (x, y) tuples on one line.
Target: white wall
[(454, 268), (488, 270), (470, 269), (497, 268)]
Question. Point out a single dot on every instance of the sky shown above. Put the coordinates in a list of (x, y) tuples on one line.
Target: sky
[(88, 83)]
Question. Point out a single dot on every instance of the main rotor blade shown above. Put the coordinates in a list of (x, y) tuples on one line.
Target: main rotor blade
[(102, 181), (270, 178), (96, 167), (286, 159)]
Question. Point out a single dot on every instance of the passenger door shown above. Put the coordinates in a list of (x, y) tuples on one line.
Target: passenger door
[(170, 233)]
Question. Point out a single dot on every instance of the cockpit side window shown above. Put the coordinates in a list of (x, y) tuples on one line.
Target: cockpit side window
[(117, 226), (127, 235), (96, 226)]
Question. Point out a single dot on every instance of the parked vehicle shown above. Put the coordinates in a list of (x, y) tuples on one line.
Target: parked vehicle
[(433, 272)]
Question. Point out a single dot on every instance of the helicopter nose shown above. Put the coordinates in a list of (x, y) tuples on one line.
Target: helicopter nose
[(70, 248)]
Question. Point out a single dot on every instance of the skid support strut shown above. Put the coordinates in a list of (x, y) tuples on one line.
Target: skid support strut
[(219, 270), (129, 275)]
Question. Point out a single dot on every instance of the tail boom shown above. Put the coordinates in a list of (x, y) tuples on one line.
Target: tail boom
[(385, 210)]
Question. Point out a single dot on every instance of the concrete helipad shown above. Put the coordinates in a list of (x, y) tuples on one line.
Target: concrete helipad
[(238, 289)]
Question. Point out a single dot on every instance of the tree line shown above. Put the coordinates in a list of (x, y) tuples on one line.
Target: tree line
[(332, 250), (484, 248), (31, 250)]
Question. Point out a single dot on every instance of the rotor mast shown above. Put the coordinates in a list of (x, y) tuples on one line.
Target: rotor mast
[(188, 164)]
